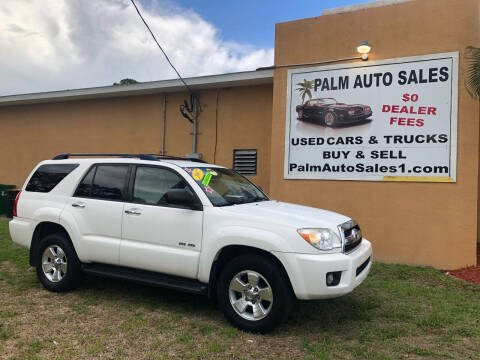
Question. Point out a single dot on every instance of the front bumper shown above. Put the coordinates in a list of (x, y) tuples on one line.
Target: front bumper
[(308, 272), (355, 118)]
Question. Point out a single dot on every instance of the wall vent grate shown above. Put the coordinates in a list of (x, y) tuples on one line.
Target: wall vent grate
[(245, 161)]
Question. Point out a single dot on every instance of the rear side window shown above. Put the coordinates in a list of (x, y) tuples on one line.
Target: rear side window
[(106, 182), (46, 177), (85, 187)]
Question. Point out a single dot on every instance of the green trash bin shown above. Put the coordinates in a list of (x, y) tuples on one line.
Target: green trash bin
[(4, 197)]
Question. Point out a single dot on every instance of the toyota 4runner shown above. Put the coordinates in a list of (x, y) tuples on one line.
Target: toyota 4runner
[(186, 225)]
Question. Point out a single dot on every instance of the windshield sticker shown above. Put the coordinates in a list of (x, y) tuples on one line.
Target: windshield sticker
[(188, 170), (197, 174), (208, 189), (214, 173), (206, 179)]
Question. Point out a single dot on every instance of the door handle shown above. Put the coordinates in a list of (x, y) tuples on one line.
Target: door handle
[(78, 205), (133, 212)]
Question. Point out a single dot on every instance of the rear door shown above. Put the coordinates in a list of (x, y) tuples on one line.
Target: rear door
[(97, 207), (156, 235)]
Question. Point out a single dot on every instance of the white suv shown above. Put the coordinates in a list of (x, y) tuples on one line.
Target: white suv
[(186, 225)]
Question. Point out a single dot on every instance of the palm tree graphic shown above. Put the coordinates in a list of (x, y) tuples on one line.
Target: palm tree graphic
[(304, 88), (473, 70)]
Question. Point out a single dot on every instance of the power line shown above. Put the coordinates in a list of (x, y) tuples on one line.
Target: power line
[(164, 53)]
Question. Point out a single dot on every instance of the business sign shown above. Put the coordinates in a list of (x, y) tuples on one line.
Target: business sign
[(391, 120)]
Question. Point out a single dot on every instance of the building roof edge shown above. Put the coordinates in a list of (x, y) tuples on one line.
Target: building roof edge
[(152, 87)]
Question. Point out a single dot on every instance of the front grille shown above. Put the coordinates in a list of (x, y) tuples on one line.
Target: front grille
[(352, 235), (358, 111), (363, 266)]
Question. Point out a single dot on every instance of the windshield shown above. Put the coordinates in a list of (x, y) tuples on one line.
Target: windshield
[(225, 187), (328, 101)]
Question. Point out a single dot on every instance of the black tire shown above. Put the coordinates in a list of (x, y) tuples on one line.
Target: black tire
[(73, 273), (282, 301), (300, 115), (330, 119)]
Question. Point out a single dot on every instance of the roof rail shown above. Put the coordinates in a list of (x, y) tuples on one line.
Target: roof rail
[(170, 157), (151, 157), (140, 156)]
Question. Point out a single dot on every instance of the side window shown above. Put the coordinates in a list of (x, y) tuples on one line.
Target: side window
[(104, 182), (84, 189), (109, 182), (152, 184), (48, 176)]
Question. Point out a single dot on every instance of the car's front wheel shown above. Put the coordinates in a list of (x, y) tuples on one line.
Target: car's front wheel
[(57, 265), (330, 119), (254, 293)]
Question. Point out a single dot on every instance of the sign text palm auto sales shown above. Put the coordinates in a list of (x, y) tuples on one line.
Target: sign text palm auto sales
[(387, 120)]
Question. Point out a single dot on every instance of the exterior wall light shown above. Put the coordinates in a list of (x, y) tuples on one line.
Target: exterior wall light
[(364, 48)]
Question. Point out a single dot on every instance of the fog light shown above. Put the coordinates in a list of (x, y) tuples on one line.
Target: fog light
[(333, 278), (329, 279)]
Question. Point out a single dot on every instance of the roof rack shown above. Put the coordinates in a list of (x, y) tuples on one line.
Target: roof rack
[(150, 157), (170, 157), (140, 156)]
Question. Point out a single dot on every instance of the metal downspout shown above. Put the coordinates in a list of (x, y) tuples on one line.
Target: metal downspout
[(164, 121), (195, 121)]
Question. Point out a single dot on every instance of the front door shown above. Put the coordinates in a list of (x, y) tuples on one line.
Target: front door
[(157, 236)]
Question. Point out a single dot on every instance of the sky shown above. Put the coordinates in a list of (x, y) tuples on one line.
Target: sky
[(48, 45)]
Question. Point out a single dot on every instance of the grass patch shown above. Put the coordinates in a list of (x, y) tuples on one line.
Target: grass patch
[(398, 312), (6, 332), (8, 314), (80, 309)]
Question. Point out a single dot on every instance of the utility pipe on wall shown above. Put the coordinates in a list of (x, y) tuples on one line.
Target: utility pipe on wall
[(164, 121), (195, 121)]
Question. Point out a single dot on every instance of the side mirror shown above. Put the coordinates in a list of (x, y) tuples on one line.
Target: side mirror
[(183, 198)]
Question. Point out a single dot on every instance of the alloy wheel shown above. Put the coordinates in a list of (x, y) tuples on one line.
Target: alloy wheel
[(329, 119), (250, 295), (54, 263)]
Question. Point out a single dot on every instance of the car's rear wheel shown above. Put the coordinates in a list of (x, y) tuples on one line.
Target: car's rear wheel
[(57, 265), (254, 293), (300, 114), (330, 119)]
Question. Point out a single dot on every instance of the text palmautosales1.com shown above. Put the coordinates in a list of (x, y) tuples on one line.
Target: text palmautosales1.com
[(360, 168)]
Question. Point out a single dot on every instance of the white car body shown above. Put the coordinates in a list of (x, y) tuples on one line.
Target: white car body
[(101, 232)]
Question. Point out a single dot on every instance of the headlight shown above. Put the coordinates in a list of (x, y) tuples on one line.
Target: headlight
[(351, 112), (322, 239)]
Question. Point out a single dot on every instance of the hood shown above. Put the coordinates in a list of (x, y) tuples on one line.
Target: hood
[(297, 216)]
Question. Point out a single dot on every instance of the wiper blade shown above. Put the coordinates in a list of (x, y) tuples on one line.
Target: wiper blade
[(226, 204), (255, 199)]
